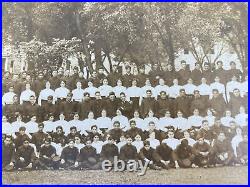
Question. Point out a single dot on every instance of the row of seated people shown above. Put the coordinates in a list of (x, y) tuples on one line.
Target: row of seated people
[(47, 153), (127, 105)]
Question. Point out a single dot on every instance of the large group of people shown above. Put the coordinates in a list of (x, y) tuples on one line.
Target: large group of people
[(56, 120)]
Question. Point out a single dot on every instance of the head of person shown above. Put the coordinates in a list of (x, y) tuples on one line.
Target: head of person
[(114, 68), (96, 138), (182, 92), (73, 130), (232, 124), (215, 93), (11, 88), (206, 67), (163, 95), (190, 81), (59, 130), (105, 81), (170, 134), (132, 124), (234, 78), (90, 84), (27, 86), (62, 84), (205, 124), (233, 65), (161, 82), (152, 135), (88, 142), (76, 116), (150, 113), (179, 114), (32, 99), (184, 143), (123, 96), (228, 113), (200, 139), (170, 67), (77, 139), (134, 82), (78, 85), (71, 143), (101, 70), (40, 127), (146, 145), (137, 137), (148, 93), (209, 112), (116, 125), (80, 74), (245, 137), (196, 112), (186, 134), (236, 92), (47, 85), (98, 95), (104, 113), (26, 142), (151, 125), (86, 96), (123, 138), (203, 80), (51, 117), (183, 64), (129, 140), (147, 82), (221, 136), (94, 129), (217, 79), (94, 74), (197, 66), (167, 113), (54, 73), (22, 130), (242, 110), (118, 112), (91, 115), (112, 96), (136, 114), (128, 69), (4, 119), (119, 82), (111, 140), (142, 69), (217, 122), (61, 116), (47, 142), (238, 131)]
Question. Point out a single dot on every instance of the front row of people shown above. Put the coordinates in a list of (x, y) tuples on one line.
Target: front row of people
[(163, 156)]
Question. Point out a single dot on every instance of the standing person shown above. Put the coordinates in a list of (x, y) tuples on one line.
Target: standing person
[(8, 154), (109, 150), (128, 151), (112, 104), (182, 103), (196, 74), (134, 93), (220, 72), (61, 92), (105, 89), (54, 80), (148, 103), (184, 73), (119, 88), (127, 77), (164, 103), (98, 104), (12, 110), (114, 76), (78, 93), (207, 73), (45, 93), (141, 77), (85, 106), (69, 156), (125, 106), (39, 83), (39, 137), (7, 98)]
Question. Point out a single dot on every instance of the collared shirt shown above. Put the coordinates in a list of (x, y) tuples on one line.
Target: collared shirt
[(91, 90), (241, 119), (174, 91), (165, 121), (220, 87), (210, 119), (160, 88), (181, 123), (123, 121), (231, 86), (16, 125), (25, 95), (105, 90), (191, 141), (87, 123), (77, 123), (204, 89), (139, 123), (153, 142), (226, 120), (189, 88), (171, 142), (61, 92), (31, 127), (98, 146), (149, 119), (104, 122), (244, 88), (118, 90), (134, 91), (49, 126), (7, 128), (145, 88), (8, 98), (195, 121), (77, 94), (138, 145), (65, 125), (44, 94)]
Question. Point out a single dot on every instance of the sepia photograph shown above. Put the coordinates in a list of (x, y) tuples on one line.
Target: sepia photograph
[(125, 93)]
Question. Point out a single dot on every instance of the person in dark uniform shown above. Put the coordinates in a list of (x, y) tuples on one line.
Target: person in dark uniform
[(82, 80), (72, 134), (101, 75), (31, 109), (69, 156), (184, 73), (114, 76), (21, 137), (85, 106), (94, 79), (47, 156), (148, 103), (185, 154), (49, 108), (221, 73), (206, 132), (242, 150), (39, 137), (217, 103), (207, 73), (8, 154), (125, 106), (196, 74), (111, 105), (154, 74), (98, 104), (202, 152), (87, 158), (141, 77), (233, 72), (54, 80), (236, 101), (167, 154), (198, 102), (38, 84), (116, 131), (148, 154), (58, 137), (222, 151), (182, 103), (128, 77), (109, 150), (72, 79), (164, 103), (170, 75), (12, 110), (133, 131), (128, 151), (25, 156)]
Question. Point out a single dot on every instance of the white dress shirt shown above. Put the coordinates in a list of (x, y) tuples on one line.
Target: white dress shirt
[(119, 89), (8, 98), (44, 94), (25, 95), (171, 142), (77, 94), (61, 92), (189, 88)]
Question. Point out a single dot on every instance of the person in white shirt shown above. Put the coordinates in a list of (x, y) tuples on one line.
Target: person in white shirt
[(32, 125), (6, 126), (134, 94), (231, 86), (45, 93), (227, 118), (62, 122), (104, 122), (241, 117), (118, 89), (78, 142), (78, 92), (122, 142), (191, 141), (122, 119), (148, 87), (236, 140), (171, 141), (204, 88), (195, 120), (189, 87), (244, 87), (138, 143), (61, 92), (87, 123), (219, 86), (91, 89), (161, 87), (25, 95), (180, 122), (49, 125), (166, 121), (97, 144), (17, 124), (139, 121), (76, 122), (105, 89), (210, 118), (153, 141), (175, 89), (150, 118), (8, 97)]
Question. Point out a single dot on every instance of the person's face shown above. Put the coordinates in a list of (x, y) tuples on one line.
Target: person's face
[(7, 141), (61, 117), (175, 81), (132, 125), (170, 135), (71, 144), (205, 125), (15, 99), (104, 113), (233, 66), (167, 114), (86, 97), (80, 75), (51, 118), (78, 85), (203, 81), (28, 77), (47, 85), (118, 113), (161, 82), (218, 123), (134, 83), (219, 65), (196, 94), (116, 125), (209, 113), (91, 115), (170, 67), (73, 131), (179, 114), (59, 131), (137, 137), (232, 125), (24, 75), (96, 138), (147, 82), (238, 131), (119, 83), (147, 147), (183, 65), (33, 119), (221, 137), (46, 144), (136, 114), (76, 117), (196, 112), (100, 71), (149, 94), (201, 141), (98, 96), (27, 86), (215, 94), (151, 126), (129, 141), (150, 113), (217, 79), (90, 84), (15, 77), (54, 73), (62, 84), (197, 66), (234, 78), (112, 97), (75, 71), (94, 129), (88, 143), (4, 119), (26, 143), (236, 93), (163, 95), (152, 135), (32, 100), (128, 70), (114, 68), (105, 82), (94, 74), (206, 67), (182, 93), (186, 135), (228, 113)]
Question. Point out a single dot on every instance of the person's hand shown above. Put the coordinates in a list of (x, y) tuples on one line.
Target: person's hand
[(62, 161), (21, 159)]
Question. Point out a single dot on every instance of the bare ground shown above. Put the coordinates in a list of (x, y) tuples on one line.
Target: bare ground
[(223, 175)]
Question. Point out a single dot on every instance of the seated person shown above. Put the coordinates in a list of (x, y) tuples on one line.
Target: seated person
[(69, 155)]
